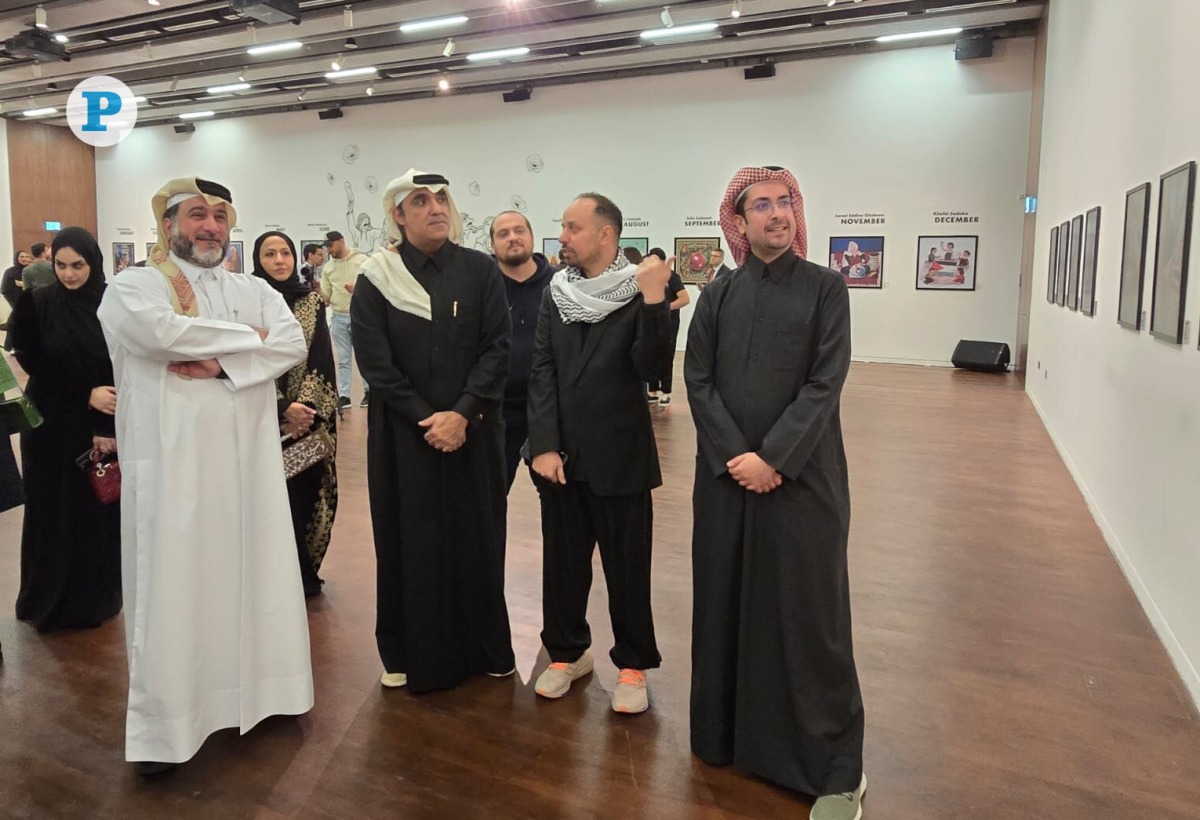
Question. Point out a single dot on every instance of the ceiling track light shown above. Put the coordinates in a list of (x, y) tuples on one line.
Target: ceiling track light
[(241, 78), (370, 90), (153, 2), (39, 18), (302, 95), (148, 51), (336, 65), (666, 18), (736, 11), (348, 17), (253, 32), (443, 84), (61, 39), (450, 48), (350, 44)]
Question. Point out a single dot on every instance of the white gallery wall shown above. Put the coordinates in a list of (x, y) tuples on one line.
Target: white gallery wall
[(6, 229), (904, 134), (1122, 406)]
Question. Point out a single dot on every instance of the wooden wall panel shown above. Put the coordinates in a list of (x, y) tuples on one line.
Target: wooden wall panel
[(52, 176)]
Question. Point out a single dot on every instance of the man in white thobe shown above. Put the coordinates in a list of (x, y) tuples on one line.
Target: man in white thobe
[(215, 623)]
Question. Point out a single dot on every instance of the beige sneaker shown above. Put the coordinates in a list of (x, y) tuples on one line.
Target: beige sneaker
[(844, 806), (394, 680), (556, 680), (631, 695)]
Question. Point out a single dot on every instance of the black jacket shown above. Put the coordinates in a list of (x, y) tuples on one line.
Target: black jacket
[(524, 306), (587, 398)]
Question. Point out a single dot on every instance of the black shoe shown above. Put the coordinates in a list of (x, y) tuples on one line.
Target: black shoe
[(366, 398), (344, 402), (149, 768)]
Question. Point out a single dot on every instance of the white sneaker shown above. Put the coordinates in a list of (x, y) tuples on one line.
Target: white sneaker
[(394, 680), (664, 400), (631, 696), (557, 679)]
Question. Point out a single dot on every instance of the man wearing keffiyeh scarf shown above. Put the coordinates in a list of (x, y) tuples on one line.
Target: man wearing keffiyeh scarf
[(604, 330), (774, 686)]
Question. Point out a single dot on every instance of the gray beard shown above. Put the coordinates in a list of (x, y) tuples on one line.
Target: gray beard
[(182, 247)]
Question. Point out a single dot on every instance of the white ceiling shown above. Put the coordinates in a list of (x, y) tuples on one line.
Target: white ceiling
[(173, 52)]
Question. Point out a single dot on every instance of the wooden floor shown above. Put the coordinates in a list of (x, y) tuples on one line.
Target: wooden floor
[(1007, 670)]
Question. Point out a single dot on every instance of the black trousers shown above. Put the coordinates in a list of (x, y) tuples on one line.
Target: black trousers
[(516, 430), (574, 520), (668, 375)]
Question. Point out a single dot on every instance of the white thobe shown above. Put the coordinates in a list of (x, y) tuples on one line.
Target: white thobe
[(216, 628)]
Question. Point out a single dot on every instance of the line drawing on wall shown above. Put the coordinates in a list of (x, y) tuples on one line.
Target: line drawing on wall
[(518, 203), (473, 189), (477, 236), (364, 235), (371, 184), (535, 163), (331, 178), (350, 154)]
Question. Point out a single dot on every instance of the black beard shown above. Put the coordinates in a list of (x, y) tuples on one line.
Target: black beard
[(520, 258)]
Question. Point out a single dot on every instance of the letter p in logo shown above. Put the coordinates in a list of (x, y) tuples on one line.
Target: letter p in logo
[(102, 111), (100, 104)]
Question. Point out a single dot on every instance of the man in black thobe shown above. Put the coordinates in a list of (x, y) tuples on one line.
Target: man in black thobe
[(431, 334), (603, 331), (774, 685)]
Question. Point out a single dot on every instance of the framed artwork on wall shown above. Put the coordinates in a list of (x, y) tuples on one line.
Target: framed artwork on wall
[(234, 262), (149, 247), (1133, 256), (552, 250), (693, 258), (122, 257), (1176, 189), (859, 259), (1087, 277), (1064, 243), (1052, 270), (1073, 262), (640, 242), (946, 262)]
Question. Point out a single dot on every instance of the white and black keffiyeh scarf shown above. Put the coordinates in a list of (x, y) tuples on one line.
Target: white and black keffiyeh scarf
[(580, 299)]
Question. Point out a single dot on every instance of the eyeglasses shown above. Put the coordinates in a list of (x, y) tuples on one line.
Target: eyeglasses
[(765, 206)]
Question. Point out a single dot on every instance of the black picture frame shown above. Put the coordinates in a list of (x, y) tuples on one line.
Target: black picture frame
[(1073, 259), (1087, 276), (1052, 269), (1134, 242), (1064, 242), (951, 264), (1172, 244)]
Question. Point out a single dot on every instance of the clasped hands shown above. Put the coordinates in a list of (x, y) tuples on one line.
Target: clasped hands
[(754, 474), (297, 420), (445, 431), (205, 368)]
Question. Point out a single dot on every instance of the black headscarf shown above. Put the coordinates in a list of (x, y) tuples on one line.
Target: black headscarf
[(71, 314), (8, 285), (291, 289)]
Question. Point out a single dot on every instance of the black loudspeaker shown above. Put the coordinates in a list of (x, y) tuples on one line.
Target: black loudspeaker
[(990, 357), (973, 48), (759, 72)]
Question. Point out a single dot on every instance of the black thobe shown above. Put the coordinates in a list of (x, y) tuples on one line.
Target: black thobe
[(438, 519), (774, 686), (70, 542)]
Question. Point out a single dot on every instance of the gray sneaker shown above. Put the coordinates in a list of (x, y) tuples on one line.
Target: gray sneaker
[(557, 679), (844, 806), (631, 696)]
